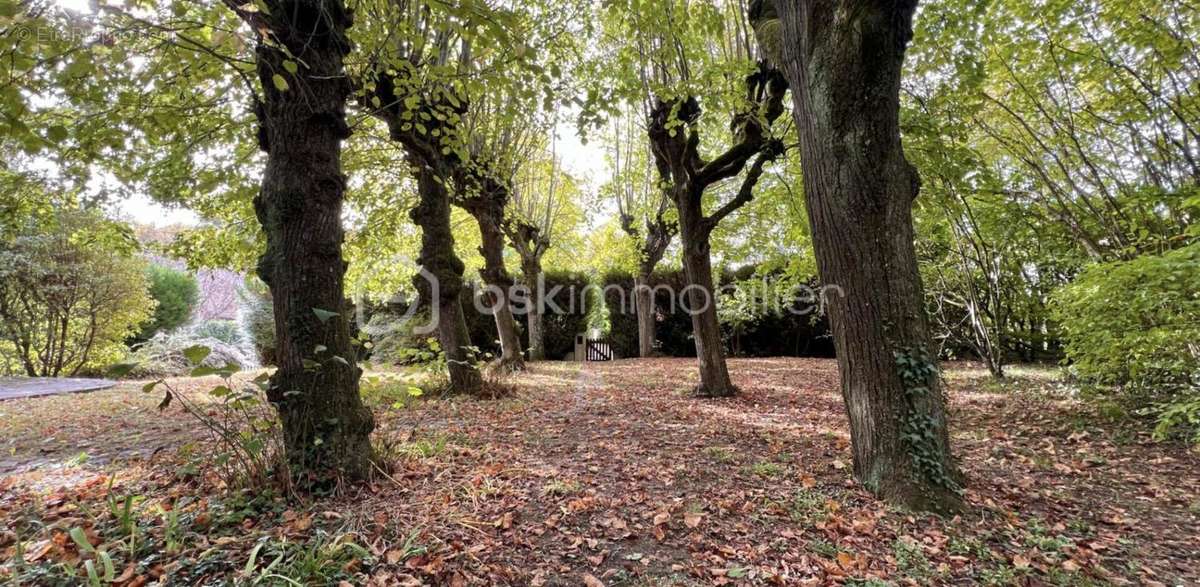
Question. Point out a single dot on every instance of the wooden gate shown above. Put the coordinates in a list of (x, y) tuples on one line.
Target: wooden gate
[(598, 350)]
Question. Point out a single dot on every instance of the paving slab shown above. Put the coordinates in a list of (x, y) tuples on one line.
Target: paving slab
[(22, 387)]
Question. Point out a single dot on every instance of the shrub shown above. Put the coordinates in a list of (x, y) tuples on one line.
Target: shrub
[(72, 290), (1134, 321), (256, 319), (1135, 325), (164, 354), (226, 331), (176, 293)]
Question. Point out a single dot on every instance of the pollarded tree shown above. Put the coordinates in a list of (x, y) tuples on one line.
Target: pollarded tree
[(642, 206), (843, 62), (432, 70), (539, 208), (412, 86), (301, 111), (502, 133), (681, 58)]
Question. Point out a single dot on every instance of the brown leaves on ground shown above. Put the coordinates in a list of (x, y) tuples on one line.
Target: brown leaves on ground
[(610, 474)]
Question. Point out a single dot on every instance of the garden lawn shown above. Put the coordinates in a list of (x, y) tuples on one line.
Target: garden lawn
[(607, 474)]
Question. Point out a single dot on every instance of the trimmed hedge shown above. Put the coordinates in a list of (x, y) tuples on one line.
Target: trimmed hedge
[(390, 337), (764, 334)]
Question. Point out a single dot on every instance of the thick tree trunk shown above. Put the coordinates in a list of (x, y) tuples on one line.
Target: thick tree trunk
[(326, 427), (432, 214), (702, 301), (643, 296), (496, 276), (531, 270), (843, 65)]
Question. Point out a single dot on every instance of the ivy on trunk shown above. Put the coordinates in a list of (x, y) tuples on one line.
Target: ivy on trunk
[(843, 61), (302, 123)]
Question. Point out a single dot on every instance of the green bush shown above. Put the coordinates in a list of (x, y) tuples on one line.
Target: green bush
[(226, 331), (176, 293), (72, 290), (1134, 321), (163, 355), (1134, 326)]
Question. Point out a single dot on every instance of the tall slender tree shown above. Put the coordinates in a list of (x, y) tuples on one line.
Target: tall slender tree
[(642, 206), (843, 61), (535, 215)]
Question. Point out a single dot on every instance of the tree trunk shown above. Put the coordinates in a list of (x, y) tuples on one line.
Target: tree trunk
[(643, 295), (326, 427), (843, 65), (496, 276), (531, 270), (702, 302), (432, 214)]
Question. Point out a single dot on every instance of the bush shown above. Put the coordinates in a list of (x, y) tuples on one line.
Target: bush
[(226, 331), (1135, 322), (1134, 325), (256, 319), (176, 293), (163, 355), (72, 290)]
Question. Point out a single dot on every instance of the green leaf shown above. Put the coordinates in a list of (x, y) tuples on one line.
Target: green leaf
[(121, 369), (290, 66), (196, 354), (81, 540), (280, 83), (324, 315), (57, 133)]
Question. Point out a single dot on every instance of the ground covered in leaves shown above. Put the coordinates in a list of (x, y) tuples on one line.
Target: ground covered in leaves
[(604, 474)]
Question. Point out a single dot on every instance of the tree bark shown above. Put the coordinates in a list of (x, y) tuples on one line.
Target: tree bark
[(432, 214), (531, 270), (643, 296), (326, 427), (531, 245), (495, 276), (702, 304), (843, 61), (674, 142)]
